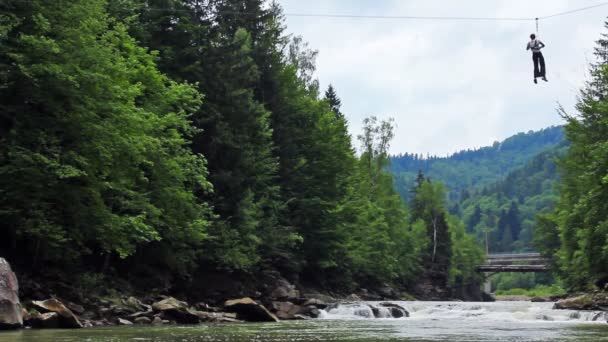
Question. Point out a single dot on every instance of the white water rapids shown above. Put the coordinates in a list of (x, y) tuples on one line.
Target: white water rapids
[(465, 321), (515, 311)]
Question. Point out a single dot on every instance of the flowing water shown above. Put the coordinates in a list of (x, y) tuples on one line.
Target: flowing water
[(428, 321)]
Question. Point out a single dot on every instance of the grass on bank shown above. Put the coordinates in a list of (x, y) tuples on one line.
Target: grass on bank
[(538, 291)]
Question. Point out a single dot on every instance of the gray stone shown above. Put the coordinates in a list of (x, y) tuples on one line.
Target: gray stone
[(122, 321), (285, 291), (248, 310), (169, 304), (315, 302), (67, 319), (10, 308), (142, 320), (47, 320), (396, 311), (286, 310)]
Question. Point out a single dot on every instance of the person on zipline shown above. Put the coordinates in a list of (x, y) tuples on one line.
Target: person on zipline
[(537, 57)]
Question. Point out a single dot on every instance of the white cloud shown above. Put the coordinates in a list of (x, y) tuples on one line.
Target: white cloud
[(449, 84)]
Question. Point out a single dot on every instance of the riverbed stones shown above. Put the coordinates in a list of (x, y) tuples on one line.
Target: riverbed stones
[(47, 320), (122, 321), (142, 320), (67, 319), (10, 307), (286, 310), (169, 303), (316, 303), (396, 311), (284, 291), (249, 310)]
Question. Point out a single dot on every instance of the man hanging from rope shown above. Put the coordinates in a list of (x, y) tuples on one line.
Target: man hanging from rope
[(537, 57)]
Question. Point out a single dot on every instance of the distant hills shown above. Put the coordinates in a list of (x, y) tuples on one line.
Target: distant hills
[(496, 190)]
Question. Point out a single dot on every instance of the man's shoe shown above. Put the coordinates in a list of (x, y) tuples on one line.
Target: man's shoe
[(545, 79), (535, 81)]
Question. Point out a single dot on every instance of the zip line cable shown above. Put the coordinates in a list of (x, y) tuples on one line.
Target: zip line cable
[(574, 11), (395, 17), (405, 17), (355, 16)]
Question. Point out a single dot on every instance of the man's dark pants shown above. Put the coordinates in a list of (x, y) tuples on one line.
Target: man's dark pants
[(538, 58)]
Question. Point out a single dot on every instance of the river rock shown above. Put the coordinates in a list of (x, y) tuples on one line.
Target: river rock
[(597, 301), (248, 310), (320, 296), (176, 310), (310, 311), (316, 303), (183, 315), (67, 319), (396, 311), (10, 307), (284, 291), (388, 292), (47, 320), (169, 304), (122, 321), (135, 305), (286, 310), (353, 298)]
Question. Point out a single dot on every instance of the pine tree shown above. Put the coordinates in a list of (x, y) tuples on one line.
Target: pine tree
[(334, 101), (581, 213)]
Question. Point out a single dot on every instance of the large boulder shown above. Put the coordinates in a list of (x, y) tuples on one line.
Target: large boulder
[(286, 310), (248, 310), (169, 304), (396, 311), (584, 302), (595, 301), (10, 307), (67, 319), (284, 291), (177, 311), (388, 292), (122, 321), (47, 320), (316, 303)]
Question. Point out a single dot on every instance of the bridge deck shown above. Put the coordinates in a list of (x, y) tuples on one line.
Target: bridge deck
[(512, 268), (514, 262)]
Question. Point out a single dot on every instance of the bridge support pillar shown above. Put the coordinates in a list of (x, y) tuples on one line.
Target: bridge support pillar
[(487, 286)]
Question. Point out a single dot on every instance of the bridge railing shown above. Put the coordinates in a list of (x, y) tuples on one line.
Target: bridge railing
[(513, 255)]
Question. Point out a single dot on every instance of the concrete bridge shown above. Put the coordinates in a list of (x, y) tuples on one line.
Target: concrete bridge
[(514, 262), (511, 262)]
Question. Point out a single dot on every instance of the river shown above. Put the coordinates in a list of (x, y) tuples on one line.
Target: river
[(428, 321)]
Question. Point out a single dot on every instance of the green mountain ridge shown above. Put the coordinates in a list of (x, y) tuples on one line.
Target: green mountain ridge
[(498, 190), (473, 169)]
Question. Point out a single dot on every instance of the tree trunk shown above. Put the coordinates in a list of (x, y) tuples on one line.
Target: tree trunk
[(434, 238)]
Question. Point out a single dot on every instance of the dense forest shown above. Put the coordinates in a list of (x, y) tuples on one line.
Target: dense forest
[(161, 141), (575, 233), (471, 170), (501, 189)]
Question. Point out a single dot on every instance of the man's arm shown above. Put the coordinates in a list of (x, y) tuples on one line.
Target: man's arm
[(528, 46), (542, 45)]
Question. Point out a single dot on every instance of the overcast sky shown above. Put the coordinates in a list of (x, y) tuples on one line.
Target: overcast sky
[(449, 85)]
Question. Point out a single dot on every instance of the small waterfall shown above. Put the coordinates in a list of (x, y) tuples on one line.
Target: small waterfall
[(364, 310), (497, 311)]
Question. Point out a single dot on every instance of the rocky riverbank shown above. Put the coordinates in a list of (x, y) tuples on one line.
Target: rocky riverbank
[(271, 298), (48, 310)]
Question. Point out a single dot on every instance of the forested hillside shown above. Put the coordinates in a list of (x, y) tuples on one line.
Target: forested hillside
[(505, 212), (474, 169), (155, 143), (575, 234), (496, 191)]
